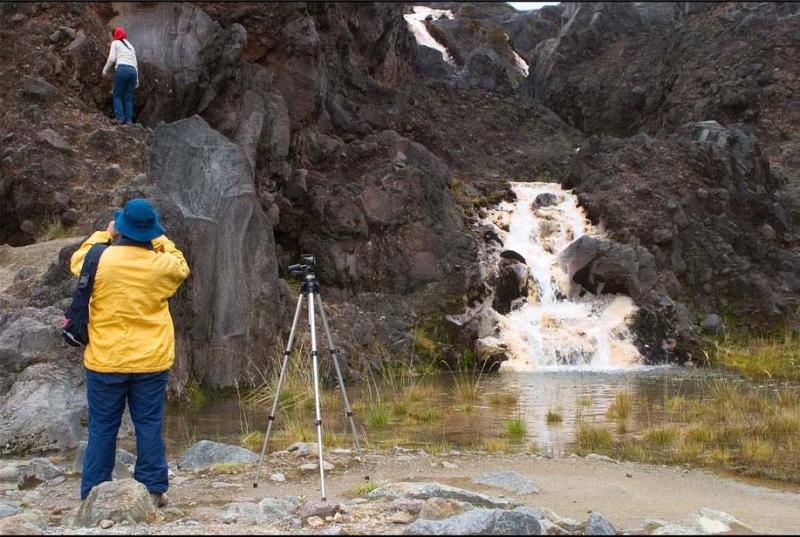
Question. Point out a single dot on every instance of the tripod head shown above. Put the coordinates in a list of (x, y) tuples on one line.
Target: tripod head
[(300, 271)]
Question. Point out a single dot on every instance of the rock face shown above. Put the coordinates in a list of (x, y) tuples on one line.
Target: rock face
[(479, 522), (207, 454), (42, 411), (229, 313), (126, 500)]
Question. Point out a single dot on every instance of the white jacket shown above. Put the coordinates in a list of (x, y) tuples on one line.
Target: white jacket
[(121, 55)]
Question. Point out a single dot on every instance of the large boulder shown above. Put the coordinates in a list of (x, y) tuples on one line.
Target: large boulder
[(207, 454), (480, 522), (120, 501), (512, 282), (605, 266), (229, 314), (43, 409), (30, 336)]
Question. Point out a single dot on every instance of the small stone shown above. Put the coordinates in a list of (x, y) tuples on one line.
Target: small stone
[(113, 172), (338, 517), (106, 523), (7, 509), (38, 471), (27, 226), (320, 509), (278, 477), (440, 508), (315, 522), (401, 517), (449, 465), (207, 454), (308, 467), (402, 504), (508, 480), (55, 140), (594, 457), (327, 466)]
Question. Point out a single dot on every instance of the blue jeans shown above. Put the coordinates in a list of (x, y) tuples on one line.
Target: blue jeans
[(145, 394), (124, 83)]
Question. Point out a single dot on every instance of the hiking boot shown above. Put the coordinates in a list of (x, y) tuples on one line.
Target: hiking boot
[(159, 500), (115, 121)]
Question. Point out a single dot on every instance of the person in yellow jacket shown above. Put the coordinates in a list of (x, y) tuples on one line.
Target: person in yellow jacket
[(131, 343)]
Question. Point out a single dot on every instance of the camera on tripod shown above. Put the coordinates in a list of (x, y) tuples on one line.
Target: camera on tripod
[(299, 271)]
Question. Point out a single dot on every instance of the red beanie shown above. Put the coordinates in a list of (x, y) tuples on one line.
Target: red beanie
[(119, 33)]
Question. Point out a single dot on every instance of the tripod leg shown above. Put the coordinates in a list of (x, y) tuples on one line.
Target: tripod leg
[(314, 360), (334, 351), (276, 397)]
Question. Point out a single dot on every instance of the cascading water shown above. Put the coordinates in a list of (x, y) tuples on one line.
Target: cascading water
[(559, 326)]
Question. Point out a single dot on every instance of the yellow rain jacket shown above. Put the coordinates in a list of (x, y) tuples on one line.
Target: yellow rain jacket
[(130, 328)]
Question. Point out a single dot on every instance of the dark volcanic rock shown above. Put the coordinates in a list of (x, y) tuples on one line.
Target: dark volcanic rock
[(229, 313)]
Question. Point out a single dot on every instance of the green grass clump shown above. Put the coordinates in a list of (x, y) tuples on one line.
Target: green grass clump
[(252, 440), (196, 395), (515, 429), (362, 489), (661, 437), (503, 399), (378, 417), (621, 406), (593, 438), (553, 417), (767, 356)]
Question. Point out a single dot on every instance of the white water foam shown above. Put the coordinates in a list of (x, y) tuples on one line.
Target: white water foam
[(557, 328), (416, 23)]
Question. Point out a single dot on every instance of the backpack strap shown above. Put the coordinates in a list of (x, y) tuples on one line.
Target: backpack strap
[(89, 269)]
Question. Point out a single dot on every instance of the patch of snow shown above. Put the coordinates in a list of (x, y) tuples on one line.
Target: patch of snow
[(416, 23)]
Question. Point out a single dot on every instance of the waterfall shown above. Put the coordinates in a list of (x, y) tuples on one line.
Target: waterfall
[(559, 325), (416, 23)]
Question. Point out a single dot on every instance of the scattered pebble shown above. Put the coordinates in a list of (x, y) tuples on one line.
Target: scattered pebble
[(401, 517), (105, 523), (449, 465), (315, 522), (278, 477)]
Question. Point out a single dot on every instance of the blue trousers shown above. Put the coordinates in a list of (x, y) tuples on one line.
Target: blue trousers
[(124, 83), (107, 394)]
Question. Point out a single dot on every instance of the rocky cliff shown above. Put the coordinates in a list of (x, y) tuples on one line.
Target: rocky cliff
[(271, 129)]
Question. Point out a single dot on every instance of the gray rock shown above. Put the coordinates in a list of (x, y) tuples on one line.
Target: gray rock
[(38, 89), (27, 523), (30, 336), (479, 522), (546, 199), (276, 508), (207, 454), (278, 477), (124, 460), (9, 477), (319, 509), (121, 501), (594, 457), (38, 471), (440, 508), (7, 509), (55, 140), (43, 410), (206, 193), (411, 506), (423, 491), (241, 513), (508, 480), (597, 524), (303, 449), (712, 323)]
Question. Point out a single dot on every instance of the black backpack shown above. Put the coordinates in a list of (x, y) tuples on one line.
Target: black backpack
[(76, 326)]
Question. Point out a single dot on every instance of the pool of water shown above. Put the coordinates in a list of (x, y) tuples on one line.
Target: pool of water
[(432, 414)]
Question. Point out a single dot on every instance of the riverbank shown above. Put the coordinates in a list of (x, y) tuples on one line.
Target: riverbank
[(631, 496)]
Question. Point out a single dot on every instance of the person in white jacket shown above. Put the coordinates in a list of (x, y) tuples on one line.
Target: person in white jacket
[(126, 76)]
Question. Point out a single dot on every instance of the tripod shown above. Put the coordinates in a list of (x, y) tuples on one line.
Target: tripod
[(309, 288)]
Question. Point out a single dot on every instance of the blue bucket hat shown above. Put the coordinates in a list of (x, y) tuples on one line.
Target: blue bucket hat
[(138, 221)]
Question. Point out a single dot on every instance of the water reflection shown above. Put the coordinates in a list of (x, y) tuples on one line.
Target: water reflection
[(437, 417)]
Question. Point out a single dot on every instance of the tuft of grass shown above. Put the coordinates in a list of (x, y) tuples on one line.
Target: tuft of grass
[(252, 440), (196, 395), (439, 448), (700, 433), (52, 229), (662, 437), (427, 415), (621, 406), (503, 399), (297, 430), (757, 451), (553, 417), (515, 429), (229, 468), (498, 445), (362, 489), (331, 439), (378, 416), (399, 408), (593, 438)]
